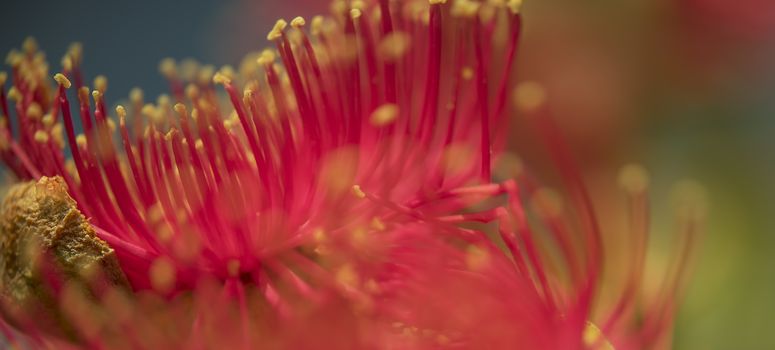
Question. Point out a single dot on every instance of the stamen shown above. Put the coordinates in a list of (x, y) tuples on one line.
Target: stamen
[(634, 180), (529, 96), (298, 22), (62, 80), (384, 115), (277, 30)]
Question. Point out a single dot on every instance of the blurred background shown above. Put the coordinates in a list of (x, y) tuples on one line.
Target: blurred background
[(686, 87)]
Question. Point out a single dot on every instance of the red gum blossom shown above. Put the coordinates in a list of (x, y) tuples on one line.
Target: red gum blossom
[(269, 199)]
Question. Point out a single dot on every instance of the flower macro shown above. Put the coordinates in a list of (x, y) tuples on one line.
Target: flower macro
[(336, 191)]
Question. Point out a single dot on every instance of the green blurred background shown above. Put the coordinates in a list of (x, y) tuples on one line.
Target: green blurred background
[(685, 86)]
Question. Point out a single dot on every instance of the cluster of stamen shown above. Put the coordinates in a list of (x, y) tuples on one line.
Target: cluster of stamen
[(316, 180)]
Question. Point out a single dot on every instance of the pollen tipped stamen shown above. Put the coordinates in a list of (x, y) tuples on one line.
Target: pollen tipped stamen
[(482, 100), (141, 186), (253, 203), (431, 99), (634, 180), (307, 113), (247, 125)]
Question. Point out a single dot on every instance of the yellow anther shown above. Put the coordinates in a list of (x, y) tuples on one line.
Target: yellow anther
[(319, 235), (34, 111), (248, 66), (48, 120), (170, 134), (15, 95), (80, 140), (205, 74), (83, 95), (266, 57), (220, 78), (157, 118), (40, 59), (437, 2), (465, 8), (228, 71), (168, 67), (192, 92), (277, 30), (634, 179), (155, 213), (57, 132), (347, 276), (163, 101), (67, 63), (188, 69), (233, 267), (358, 192), (467, 73), (384, 114), (30, 46), (594, 336), (41, 136), (338, 6), (180, 108), (514, 5), (394, 46), (248, 94), (356, 13), (317, 25), (3, 78), (298, 22), (206, 106), (96, 95), (136, 96), (121, 111), (148, 109), (487, 13), (199, 144), (230, 123), (62, 80), (111, 125), (162, 274), (101, 83), (75, 51), (378, 224), (359, 236), (70, 167), (529, 96), (477, 258), (14, 58)]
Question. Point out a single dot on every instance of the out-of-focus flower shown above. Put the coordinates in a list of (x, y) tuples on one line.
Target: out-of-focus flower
[(338, 195)]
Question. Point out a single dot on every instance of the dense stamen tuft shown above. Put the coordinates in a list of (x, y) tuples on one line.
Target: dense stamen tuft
[(340, 182)]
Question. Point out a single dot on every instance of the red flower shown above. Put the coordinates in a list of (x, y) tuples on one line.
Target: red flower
[(320, 205)]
